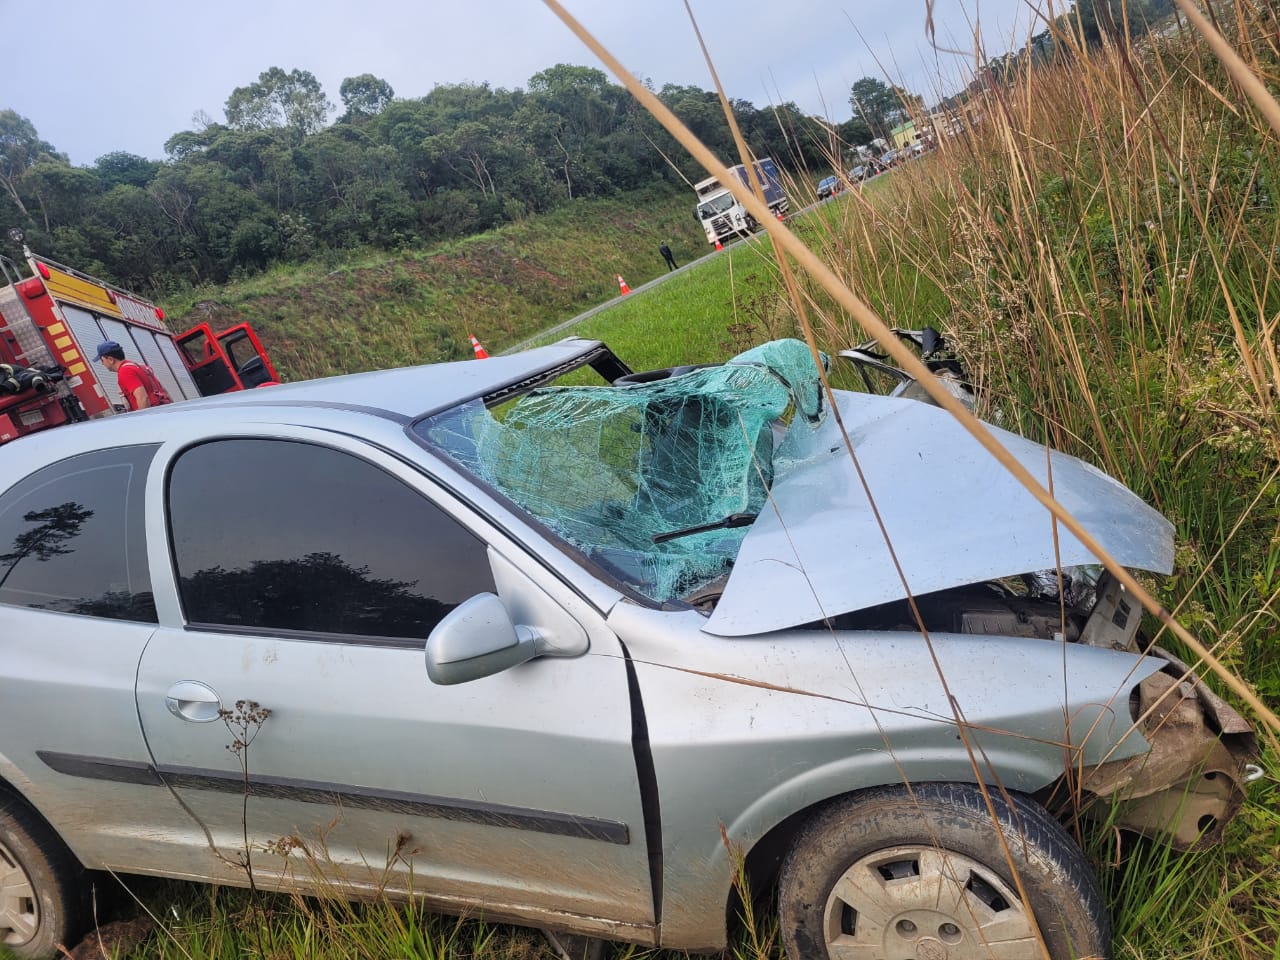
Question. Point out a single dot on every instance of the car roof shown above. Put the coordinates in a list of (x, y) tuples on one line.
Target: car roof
[(412, 391), (399, 394)]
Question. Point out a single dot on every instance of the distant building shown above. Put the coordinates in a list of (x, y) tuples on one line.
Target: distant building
[(954, 116), (904, 135)]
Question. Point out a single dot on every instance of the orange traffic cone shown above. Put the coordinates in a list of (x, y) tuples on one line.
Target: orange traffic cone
[(779, 212), (719, 245), (475, 345), (622, 284)]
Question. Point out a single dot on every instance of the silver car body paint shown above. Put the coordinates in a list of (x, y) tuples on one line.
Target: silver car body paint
[(953, 514), (412, 391), (743, 732), (795, 717), (399, 733)]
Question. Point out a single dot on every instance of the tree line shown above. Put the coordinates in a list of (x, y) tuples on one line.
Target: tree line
[(276, 181)]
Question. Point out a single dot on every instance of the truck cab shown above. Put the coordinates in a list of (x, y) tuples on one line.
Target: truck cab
[(719, 211)]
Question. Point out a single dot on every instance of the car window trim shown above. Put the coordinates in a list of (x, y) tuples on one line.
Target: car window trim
[(454, 491), (151, 444), (563, 546), (382, 413), (314, 636), (134, 487), (494, 530), (594, 354), (490, 521)]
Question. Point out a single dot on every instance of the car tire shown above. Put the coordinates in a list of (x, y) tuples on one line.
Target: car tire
[(41, 886), (921, 873)]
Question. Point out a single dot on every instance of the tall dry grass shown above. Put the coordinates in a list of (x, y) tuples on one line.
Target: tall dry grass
[(1103, 247)]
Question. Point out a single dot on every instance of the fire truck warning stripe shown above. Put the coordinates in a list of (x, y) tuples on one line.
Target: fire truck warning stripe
[(77, 369), (69, 355), (63, 342), (56, 328)]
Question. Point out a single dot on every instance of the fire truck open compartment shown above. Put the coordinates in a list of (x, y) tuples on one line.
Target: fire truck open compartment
[(231, 360)]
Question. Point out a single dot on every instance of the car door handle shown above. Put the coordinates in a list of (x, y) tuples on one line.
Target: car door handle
[(193, 701)]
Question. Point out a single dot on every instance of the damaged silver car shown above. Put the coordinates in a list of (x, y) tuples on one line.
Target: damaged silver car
[(578, 656)]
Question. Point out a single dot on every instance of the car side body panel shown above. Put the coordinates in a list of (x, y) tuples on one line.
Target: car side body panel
[(794, 718), (66, 699)]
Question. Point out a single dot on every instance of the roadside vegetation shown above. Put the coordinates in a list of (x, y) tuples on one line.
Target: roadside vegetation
[(274, 182), (1103, 250), (349, 315)]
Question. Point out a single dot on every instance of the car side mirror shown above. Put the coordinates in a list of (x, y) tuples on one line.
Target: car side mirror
[(477, 639)]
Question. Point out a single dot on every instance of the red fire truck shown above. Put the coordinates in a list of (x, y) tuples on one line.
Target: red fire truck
[(51, 323)]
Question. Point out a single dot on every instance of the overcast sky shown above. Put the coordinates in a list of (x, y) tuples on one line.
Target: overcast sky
[(128, 74)]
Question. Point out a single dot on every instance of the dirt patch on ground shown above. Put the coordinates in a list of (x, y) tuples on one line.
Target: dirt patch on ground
[(113, 940)]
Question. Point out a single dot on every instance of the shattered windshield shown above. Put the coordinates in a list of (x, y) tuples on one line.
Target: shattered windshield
[(654, 482), (716, 206)]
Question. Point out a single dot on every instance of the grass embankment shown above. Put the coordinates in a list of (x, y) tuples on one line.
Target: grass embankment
[(727, 304), (1102, 247), (419, 306)]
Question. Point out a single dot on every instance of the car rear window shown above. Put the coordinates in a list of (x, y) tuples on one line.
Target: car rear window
[(72, 537)]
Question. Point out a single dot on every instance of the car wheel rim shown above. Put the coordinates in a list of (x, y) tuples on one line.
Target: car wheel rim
[(922, 903), (19, 914)]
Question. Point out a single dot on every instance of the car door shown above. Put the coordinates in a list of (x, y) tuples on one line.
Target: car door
[(76, 611), (310, 570)]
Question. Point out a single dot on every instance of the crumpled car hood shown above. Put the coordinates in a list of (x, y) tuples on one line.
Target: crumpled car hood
[(953, 514)]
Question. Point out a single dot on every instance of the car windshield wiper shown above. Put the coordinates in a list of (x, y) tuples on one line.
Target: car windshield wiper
[(732, 520)]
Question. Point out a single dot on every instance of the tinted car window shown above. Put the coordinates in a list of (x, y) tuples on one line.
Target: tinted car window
[(72, 537), (273, 534)]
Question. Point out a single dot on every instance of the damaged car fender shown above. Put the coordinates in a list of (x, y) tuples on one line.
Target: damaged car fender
[(797, 717)]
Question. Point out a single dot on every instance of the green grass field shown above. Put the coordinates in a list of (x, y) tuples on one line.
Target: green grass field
[(724, 305)]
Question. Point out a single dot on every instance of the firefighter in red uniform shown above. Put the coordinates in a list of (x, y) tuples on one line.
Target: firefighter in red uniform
[(138, 383)]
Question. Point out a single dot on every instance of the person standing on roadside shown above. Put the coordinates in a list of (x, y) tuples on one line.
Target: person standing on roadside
[(667, 255), (138, 384)]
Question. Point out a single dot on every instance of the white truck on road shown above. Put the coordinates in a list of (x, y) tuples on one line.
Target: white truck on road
[(720, 213)]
